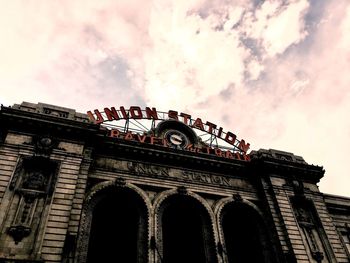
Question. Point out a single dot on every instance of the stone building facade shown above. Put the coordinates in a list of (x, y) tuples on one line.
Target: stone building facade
[(69, 193)]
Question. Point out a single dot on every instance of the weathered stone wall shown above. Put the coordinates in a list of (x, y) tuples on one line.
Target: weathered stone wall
[(56, 210), (338, 209), (47, 180)]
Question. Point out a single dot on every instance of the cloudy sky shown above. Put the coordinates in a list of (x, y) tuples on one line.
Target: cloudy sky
[(277, 73)]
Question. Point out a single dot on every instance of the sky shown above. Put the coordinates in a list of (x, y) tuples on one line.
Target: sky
[(276, 73)]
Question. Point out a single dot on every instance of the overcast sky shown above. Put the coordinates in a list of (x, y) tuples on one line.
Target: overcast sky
[(276, 73)]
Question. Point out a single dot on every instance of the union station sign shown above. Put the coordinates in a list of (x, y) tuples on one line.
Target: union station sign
[(170, 129)]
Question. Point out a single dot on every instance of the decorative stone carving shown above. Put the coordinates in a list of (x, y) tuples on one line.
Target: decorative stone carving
[(237, 197), (19, 232), (277, 155), (26, 209), (310, 227), (34, 180), (44, 145), (182, 190), (32, 184), (16, 174), (36, 173), (298, 187), (120, 182)]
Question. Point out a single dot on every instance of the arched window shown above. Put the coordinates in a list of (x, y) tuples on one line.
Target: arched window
[(118, 228), (186, 231), (245, 235)]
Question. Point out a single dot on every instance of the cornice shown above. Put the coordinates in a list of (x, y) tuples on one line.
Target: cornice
[(263, 162), (39, 123), (285, 165)]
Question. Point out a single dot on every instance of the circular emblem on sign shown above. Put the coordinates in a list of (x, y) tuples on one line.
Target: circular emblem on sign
[(176, 138)]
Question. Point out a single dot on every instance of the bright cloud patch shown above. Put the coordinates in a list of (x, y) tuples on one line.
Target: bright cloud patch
[(277, 25)]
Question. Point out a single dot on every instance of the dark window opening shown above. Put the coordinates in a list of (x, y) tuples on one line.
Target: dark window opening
[(243, 235), (116, 230), (184, 232)]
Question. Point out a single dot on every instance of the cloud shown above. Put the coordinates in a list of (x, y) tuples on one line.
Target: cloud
[(285, 96), (274, 72), (311, 97), (56, 49), (276, 24), (200, 48)]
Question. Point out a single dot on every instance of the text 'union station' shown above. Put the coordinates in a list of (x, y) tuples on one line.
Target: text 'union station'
[(132, 184)]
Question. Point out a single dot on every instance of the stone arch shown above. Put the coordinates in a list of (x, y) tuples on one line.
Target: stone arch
[(168, 198), (242, 228), (220, 204), (100, 192)]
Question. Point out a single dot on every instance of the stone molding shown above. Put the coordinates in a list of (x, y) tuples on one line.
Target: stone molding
[(159, 206), (95, 195)]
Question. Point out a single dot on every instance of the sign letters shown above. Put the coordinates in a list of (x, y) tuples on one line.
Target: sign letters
[(138, 113)]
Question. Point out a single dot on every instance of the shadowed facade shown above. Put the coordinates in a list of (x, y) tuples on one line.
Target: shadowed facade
[(69, 192)]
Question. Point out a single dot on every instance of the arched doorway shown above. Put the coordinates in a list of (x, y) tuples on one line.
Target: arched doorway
[(245, 235), (186, 231), (118, 228)]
